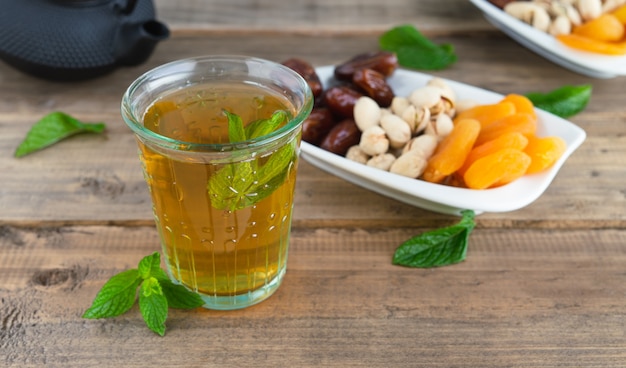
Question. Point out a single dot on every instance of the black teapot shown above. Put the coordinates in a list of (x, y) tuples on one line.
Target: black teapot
[(70, 40)]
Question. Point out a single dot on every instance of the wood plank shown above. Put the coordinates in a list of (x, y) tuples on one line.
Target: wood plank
[(319, 16), (521, 299)]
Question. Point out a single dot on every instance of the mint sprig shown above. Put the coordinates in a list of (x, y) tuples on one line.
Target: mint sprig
[(436, 248), (565, 101), (156, 294), (416, 51), (53, 128), (242, 184)]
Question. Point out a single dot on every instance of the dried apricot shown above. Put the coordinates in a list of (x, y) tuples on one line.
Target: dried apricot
[(544, 152), (515, 140), (620, 14), (488, 113), (521, 102), (497, 169), (452, 151), (606, 27), (591, 45), (526, 124)]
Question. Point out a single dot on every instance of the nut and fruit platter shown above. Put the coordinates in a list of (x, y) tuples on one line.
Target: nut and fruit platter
[(428, 134)]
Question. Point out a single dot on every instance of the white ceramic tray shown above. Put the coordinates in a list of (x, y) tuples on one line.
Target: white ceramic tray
[(586, 63), (437, 197)]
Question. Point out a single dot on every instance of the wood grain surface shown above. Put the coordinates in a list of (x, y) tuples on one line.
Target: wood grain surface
[(544, 286)]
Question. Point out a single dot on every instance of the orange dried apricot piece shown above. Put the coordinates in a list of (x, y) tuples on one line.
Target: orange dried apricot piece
[(544, 152), (497, 169), (591, 45), (452, 151), (515, 140), (620, 14), (521, 102), (523, 123), (606, 27), (487, 113)]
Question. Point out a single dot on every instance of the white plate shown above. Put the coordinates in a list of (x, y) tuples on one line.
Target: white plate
[(586, 63), (437, 197)]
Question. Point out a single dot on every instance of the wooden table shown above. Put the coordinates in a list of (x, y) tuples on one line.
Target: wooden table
[(543, 286)]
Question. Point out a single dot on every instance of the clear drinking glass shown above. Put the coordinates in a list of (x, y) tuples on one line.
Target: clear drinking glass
[(222, 195)]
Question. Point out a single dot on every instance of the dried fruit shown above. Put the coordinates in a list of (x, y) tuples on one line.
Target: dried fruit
[(521, 102), (487, 114), (544, 152), (523, 123), (452, 151), (606, 27), (591, 45), (497, 169), (515, 140)]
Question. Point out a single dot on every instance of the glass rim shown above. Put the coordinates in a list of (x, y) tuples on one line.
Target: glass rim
[(163, 141)]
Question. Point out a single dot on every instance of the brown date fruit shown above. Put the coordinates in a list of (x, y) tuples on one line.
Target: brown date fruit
[(307, 72), (374, 85), (341, 137), (341, 99), (317, 125), (384, 62)]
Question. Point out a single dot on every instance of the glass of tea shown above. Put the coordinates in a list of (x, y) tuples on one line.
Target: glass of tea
[(218, 141)]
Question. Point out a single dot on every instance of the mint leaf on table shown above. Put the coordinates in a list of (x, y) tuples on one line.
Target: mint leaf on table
[(242, 184), (564, 102), (116, 297), (416, 51), (440, 247), (153, 305), (156, 294), (53, 128)]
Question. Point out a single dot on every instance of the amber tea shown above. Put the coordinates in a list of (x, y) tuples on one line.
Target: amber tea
[(223, 197)]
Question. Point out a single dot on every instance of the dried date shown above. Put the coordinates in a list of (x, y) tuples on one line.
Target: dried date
[(383, 62), (307, 72), (341, 137), (317, 125), (341, 99), (374, 85)]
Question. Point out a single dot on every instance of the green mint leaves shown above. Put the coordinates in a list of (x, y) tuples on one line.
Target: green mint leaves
[(564, 102), (53, 128), (156, 294), (415, 51), (242, 184), (440, 247)]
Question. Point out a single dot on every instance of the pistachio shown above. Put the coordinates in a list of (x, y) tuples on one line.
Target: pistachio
[(399, 104), (441, 126), (356, 154), (560, 25), (416, 117), (589, 9), (424, 144), (366, 113), (374, 141), (427, 96), (383, 161), (410, 164), (531, 13), (397, 130)]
